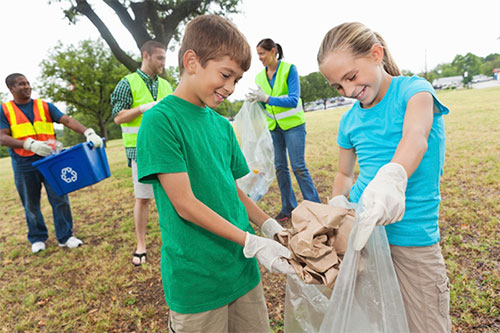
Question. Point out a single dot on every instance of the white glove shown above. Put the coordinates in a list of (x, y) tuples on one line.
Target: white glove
[(257, 95), (383, 201), (145, 107), (38, 147), (271, 227), (92, 137), (339, 201), (269, 253)]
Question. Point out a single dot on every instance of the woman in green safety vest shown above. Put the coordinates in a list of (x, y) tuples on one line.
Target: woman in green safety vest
[(279, 90)]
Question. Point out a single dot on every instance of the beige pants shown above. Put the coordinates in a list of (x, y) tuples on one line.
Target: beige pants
[(141, 191), (245, 314), (425, 287)]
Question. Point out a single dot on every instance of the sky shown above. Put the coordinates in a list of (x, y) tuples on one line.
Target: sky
[(419, 34)]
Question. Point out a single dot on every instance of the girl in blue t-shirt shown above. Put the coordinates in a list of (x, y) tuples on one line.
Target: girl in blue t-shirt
[(395, 131)]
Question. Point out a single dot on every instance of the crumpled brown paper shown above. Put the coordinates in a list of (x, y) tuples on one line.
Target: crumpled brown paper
[(317, 241)]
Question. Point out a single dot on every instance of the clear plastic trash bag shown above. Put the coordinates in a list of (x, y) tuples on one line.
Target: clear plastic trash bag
[(257, 146), (305, 305), (365, 298)]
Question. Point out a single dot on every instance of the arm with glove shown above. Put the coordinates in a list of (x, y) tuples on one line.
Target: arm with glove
[(268, 252), (383, 199), (127, 115), (76, 126)]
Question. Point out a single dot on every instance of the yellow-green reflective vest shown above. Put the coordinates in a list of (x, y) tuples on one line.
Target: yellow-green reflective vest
[(141, 95), (286, 117)]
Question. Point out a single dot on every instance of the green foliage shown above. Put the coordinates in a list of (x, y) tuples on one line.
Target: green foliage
[(314, 86), (83, 77), (228, 109), (469, 63), (4, 151), (3, 97)]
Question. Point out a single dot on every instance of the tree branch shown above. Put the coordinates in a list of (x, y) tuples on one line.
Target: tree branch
[(136, 27), (84, 8)]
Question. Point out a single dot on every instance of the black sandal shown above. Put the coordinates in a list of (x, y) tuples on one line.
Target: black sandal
[(140, 256)]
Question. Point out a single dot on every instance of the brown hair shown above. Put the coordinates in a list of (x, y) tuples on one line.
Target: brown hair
[(268, 44), (213, 37), (358, 39), (150, 47)]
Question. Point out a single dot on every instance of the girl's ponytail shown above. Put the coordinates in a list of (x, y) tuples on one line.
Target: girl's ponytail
[(389, 63), (268, 44)]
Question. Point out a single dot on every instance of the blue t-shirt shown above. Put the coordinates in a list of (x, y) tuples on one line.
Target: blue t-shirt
[(24, 163), (375, 133)]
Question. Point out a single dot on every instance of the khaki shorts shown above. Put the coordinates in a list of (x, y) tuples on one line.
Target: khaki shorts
[(424, 286), (245, 314), (141, 191)]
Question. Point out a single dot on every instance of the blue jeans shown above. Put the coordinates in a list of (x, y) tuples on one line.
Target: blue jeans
[(29, 187), (292, 140)]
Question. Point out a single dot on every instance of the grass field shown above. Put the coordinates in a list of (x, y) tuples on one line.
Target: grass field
[(96, 289)]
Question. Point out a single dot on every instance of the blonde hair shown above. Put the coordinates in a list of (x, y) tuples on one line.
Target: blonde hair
[(358, 39), (213, 37)]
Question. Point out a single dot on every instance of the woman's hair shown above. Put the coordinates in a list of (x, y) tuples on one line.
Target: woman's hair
[(213, 37), (358, 39), (268, 44)]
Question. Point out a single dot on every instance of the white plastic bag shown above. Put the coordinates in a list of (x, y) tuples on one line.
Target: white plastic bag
[(366, 295), (257, 147)]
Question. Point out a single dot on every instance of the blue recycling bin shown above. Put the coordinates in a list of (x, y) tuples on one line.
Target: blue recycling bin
[(74, 168)]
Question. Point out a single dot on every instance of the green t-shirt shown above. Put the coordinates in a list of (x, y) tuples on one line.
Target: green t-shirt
[(200, 270)]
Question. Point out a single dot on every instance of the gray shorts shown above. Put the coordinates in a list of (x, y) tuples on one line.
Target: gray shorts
[(141, 191), (424, 286)]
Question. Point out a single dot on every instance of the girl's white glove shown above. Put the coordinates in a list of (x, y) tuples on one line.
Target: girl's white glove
[(339, 201), (269, 253), (383, 201)]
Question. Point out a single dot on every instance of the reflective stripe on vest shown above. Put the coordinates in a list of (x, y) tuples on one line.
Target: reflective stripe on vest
[(21, 128), (141, 95), (286, 117)]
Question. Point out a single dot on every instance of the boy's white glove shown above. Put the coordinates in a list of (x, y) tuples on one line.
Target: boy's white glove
[(269, 253), (339, 201), (257, 95), (383, 201), (271, 227), (92, 137), (40, 148), (145, 107)]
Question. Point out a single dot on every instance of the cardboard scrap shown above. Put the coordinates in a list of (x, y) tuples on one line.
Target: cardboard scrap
[(317, 241)]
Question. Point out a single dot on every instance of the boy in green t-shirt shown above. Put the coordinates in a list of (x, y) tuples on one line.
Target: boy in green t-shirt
[(191, 156)]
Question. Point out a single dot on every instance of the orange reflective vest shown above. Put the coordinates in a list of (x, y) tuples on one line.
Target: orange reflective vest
[(21, 128)]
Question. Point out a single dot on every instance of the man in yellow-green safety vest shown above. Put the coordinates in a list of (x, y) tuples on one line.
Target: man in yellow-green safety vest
[(135, 94)]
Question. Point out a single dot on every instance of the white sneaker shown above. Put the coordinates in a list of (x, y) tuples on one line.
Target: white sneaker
[(37, 247), (72, 242)]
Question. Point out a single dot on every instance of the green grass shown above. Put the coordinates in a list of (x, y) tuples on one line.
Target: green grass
[(96, 289)]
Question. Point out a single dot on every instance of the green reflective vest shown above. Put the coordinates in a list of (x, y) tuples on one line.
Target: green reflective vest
[(141, 95), (286, 117)]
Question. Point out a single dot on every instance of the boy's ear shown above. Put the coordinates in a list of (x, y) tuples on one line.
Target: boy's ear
[(191, 61), (377, 53)]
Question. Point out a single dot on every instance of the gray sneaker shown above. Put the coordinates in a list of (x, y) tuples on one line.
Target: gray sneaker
[(72, 242), (37, 247)]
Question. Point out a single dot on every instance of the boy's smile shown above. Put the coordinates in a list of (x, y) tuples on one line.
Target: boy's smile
[(211, 84)]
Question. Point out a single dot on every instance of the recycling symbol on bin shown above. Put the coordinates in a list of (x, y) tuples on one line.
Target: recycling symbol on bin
[(69, 175)]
